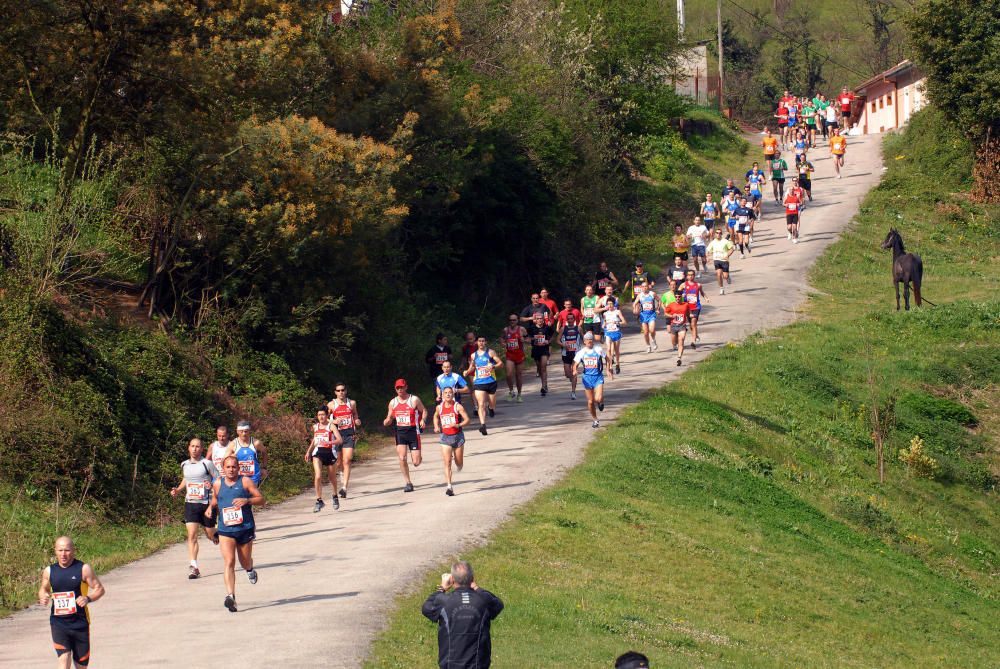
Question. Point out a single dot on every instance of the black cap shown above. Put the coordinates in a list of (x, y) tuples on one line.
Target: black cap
[(638, 263)]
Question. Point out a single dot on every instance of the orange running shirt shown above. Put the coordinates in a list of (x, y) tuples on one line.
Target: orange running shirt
[(838, 145), (770, 145)]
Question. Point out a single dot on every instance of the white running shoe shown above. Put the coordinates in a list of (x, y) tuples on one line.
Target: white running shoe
[(795, 241), (572, 394), (722, 291), (649, 349), (595, 424), (655, 347), (788, 235)]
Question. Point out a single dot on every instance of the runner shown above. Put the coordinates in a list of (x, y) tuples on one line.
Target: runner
[(721, 250), (822, 104), (543, 294), (793, 205), (449, 379), (536, 307), (677, 273), (782, 116), (756, 181), (569, 339), (676, 314), (322, 452), (778, 166), (614, 321), (809, 113), (801, 147), (699, 234), (233, 497), (220, 448), (344, 412), (770, 144), (515, 339), (793, 120), (744, 217), (588, 307), (592, 359), (69, 587), (831, 117), (731, 189), (639, 277), (197, 474), (604, 277), (449, 419), (540, 336), (681, 243), (644, 306), (693, 294), (469, 345), (838, 147), (251, 454), (845, 99), (482, 367), (410, 417), (568, 309), (606, 301), (729, 205), (805, 170), (709, 211), (437, 355)]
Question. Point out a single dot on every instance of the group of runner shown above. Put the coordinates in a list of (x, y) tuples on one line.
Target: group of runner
[(221, 485)]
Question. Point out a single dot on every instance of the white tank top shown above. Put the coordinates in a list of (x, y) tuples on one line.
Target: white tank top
[(216, 453)]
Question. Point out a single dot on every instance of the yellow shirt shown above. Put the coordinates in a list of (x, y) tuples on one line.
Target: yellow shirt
[(681, 243), (770, 145), (838, 145)]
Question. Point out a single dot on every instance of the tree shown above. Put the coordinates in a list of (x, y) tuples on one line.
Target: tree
[(957, 43)]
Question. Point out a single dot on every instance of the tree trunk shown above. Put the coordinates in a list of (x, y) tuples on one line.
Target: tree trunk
[(986, 170)]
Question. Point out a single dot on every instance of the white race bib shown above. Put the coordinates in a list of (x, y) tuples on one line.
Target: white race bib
[(403, 420), (246, 467), (197, 491), (64, 603), (232, 515)]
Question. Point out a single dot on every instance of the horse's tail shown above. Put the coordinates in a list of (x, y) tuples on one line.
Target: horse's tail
[(917, 278)]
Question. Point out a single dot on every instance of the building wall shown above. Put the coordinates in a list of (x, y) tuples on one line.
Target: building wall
[(888, 106)]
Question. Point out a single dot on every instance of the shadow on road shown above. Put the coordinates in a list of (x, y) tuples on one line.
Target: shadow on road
[(302, 600)]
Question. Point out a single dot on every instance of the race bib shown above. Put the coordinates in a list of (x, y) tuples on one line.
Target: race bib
[(540, 340), (345, 421), (403, 420), (197, 491), (677, 319), (448, 420), (692, 299), (246, 467), (588, 312), (440, 358), (512, 345), (648, 306), (484, 372), (321, 441), (64, 603), (232, 516), (590, 362), (571, 345), (792, 206), (611, 326)]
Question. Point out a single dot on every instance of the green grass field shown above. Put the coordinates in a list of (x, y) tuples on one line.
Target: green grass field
[(735, 517)]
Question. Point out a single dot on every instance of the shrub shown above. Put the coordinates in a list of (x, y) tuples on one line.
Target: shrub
[(918, 463)]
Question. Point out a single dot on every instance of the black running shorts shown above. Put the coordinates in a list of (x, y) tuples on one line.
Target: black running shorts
[(75, 640)]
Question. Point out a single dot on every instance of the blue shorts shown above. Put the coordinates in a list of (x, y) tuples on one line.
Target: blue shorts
[(241, 537), (755, 196), (792, 122), (647, 316), (731, 223), (591, 382), (697, 251), (613, 336)]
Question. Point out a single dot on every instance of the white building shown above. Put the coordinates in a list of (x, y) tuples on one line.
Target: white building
[(890, 98)]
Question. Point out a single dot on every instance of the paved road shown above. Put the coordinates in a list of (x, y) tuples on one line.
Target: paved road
[(327, 581)]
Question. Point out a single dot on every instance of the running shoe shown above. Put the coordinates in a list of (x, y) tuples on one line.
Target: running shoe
[(649, 349), (510, 396), (252, 576), (795, 241), (193, 572), (678, 362), (545, 391), (600, 406), (618, 369), (722, 291), (694, 344), (230, 603), (318, 506), (482, 430), (595, 424), (655, 347), (343, 493), (697, 340), (743, 256), (519, 400), (789, 235), (572, 394), (492, 412), (408, 487), (336, 503), (449, 492), (215, 538)]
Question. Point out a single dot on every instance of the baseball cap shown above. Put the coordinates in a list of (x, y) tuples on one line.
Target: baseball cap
[(638, 263), (243, 425), (589, 335), (400, 383)]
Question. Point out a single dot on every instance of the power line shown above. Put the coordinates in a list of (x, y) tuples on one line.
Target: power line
[(795, 41)]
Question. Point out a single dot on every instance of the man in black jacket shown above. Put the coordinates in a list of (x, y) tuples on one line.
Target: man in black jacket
[(463, 617)]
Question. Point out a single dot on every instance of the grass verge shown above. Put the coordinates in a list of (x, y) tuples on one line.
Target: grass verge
[(735, 518)]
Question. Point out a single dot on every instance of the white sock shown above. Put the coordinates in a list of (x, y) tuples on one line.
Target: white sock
[(194, 563)]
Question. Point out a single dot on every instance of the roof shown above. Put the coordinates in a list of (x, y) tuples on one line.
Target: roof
[(894, 71)]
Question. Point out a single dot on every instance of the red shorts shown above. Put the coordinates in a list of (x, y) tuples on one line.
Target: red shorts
[(516, 356)]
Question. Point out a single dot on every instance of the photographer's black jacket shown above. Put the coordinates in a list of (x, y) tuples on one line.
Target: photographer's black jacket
[(463, 617)]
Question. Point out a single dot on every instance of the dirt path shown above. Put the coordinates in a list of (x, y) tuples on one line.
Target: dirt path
[(328, 580)]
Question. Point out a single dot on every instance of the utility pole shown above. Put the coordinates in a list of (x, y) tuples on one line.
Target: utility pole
[(718, 10)]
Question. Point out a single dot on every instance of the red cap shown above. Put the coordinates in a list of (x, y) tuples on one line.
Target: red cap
[(400, 383)]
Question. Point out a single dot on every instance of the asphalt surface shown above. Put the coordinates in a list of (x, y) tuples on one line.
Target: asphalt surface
[(328, 581)]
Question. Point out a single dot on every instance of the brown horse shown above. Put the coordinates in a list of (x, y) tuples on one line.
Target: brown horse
[(907, 268)]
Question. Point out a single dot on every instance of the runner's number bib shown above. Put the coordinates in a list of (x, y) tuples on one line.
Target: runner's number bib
[(232, 515), (197, 491), (246, 467), (64, 603)]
